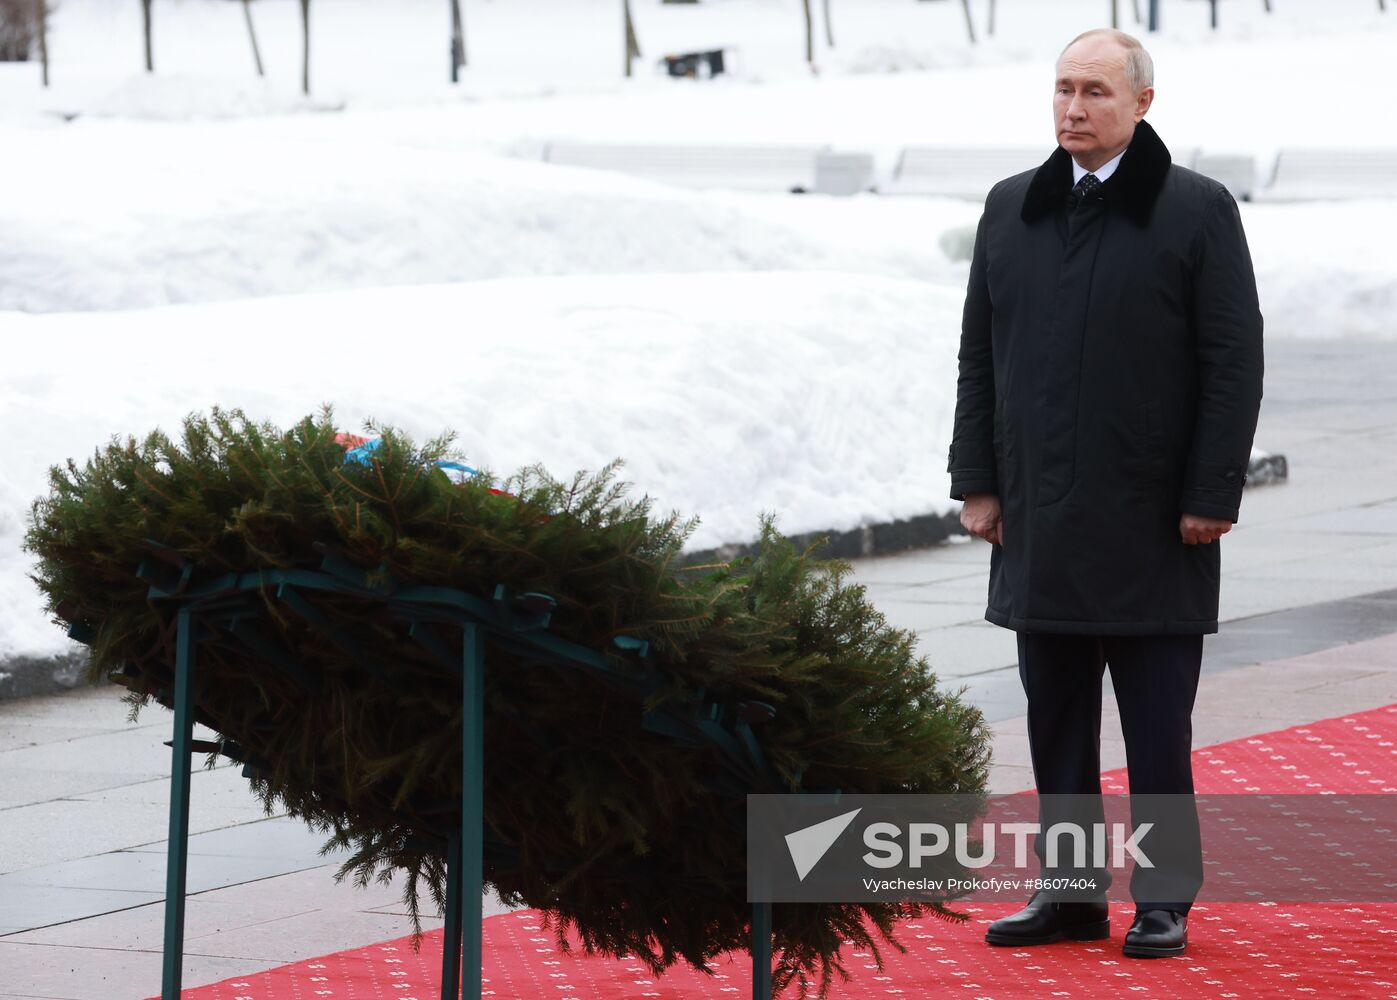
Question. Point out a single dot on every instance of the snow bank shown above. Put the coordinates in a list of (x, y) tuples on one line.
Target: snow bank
[(197, 214), (1326, 269), (194, 97), (825, 397), (111, 213), (212, 212)]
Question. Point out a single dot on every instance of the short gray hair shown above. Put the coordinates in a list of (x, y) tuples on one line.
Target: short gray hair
[(1139, 67)]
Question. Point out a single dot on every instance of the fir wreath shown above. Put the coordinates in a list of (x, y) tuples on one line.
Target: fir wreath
[(602, 826)]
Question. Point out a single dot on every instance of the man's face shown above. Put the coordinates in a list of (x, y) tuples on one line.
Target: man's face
[(1094, 108)]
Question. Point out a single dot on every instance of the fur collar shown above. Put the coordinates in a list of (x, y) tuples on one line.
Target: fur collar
[(1134, 186)]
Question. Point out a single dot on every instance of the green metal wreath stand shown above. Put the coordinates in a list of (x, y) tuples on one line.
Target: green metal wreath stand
[(455, 628)]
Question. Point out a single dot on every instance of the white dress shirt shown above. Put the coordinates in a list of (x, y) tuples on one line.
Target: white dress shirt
[(1105, 170)]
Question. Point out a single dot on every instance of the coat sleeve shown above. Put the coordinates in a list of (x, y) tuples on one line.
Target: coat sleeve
[(1229, 365), (971, 462)]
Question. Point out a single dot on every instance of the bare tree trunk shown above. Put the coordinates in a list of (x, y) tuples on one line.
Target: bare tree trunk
[(145, 18), (305, 46), (991, 27), (809, 34), (1267, 5), (1135, 5), (252, 34), (829, 26), (1115, 14), (632, 43), (969, 22), (458, 41), (43, 17)]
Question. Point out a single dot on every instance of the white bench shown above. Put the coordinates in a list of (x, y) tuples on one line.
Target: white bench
[(748, 168), (1236, 172), (953, 172), (960, 173), (1314, 174)]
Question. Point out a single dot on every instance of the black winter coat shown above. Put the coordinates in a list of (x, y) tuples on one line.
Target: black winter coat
[(1110, 380)]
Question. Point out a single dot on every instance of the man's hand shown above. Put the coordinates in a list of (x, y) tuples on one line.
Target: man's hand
[(982, 517), (1195, 530)]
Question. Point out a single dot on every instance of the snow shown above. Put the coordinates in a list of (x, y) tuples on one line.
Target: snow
[(194, 214), (392, 244), (817, 395), (205, 212), (1326, 269)]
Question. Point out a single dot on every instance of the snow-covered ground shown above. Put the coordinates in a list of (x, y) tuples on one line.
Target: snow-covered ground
[(819, 395), (201, 213), (200, 237)]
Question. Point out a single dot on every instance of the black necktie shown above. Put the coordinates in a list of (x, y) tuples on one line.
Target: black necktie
[(1085, 190)]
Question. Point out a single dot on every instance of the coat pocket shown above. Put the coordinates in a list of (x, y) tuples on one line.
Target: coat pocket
[(1148, 432)]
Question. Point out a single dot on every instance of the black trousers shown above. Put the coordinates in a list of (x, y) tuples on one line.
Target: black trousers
[(1155, 678)]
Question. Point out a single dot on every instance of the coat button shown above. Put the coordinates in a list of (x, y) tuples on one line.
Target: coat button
[(1230, 475)]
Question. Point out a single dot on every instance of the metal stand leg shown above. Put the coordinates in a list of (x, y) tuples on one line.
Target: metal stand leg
[(472, 806), (451, 948), (761, 951), (177, 854)]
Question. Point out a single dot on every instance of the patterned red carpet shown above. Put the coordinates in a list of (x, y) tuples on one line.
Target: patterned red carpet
[(1236, 950)]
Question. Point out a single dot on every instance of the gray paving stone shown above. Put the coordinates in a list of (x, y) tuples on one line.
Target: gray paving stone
[(145, 872), (274, 919), (912, 570), (958, 651), (20, 733), (65, 829), (1006, 779), (39, 905), (141, 751), (100, 707), (85, 973), (304, 935), (926, 615), (281, 837), (25, 785), (997, 693), (1299, 630)]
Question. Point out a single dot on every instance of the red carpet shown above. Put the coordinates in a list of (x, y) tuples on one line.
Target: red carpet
[(1236, 950), (1348, 755)]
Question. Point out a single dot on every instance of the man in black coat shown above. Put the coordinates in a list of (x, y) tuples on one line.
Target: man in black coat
[(1109, 385)]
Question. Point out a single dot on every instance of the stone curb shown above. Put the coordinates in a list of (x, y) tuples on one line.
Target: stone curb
[(868, 540), (27, 676)]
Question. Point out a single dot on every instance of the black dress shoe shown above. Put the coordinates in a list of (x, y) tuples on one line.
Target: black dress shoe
[(1157, 934), (1044, 921)]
